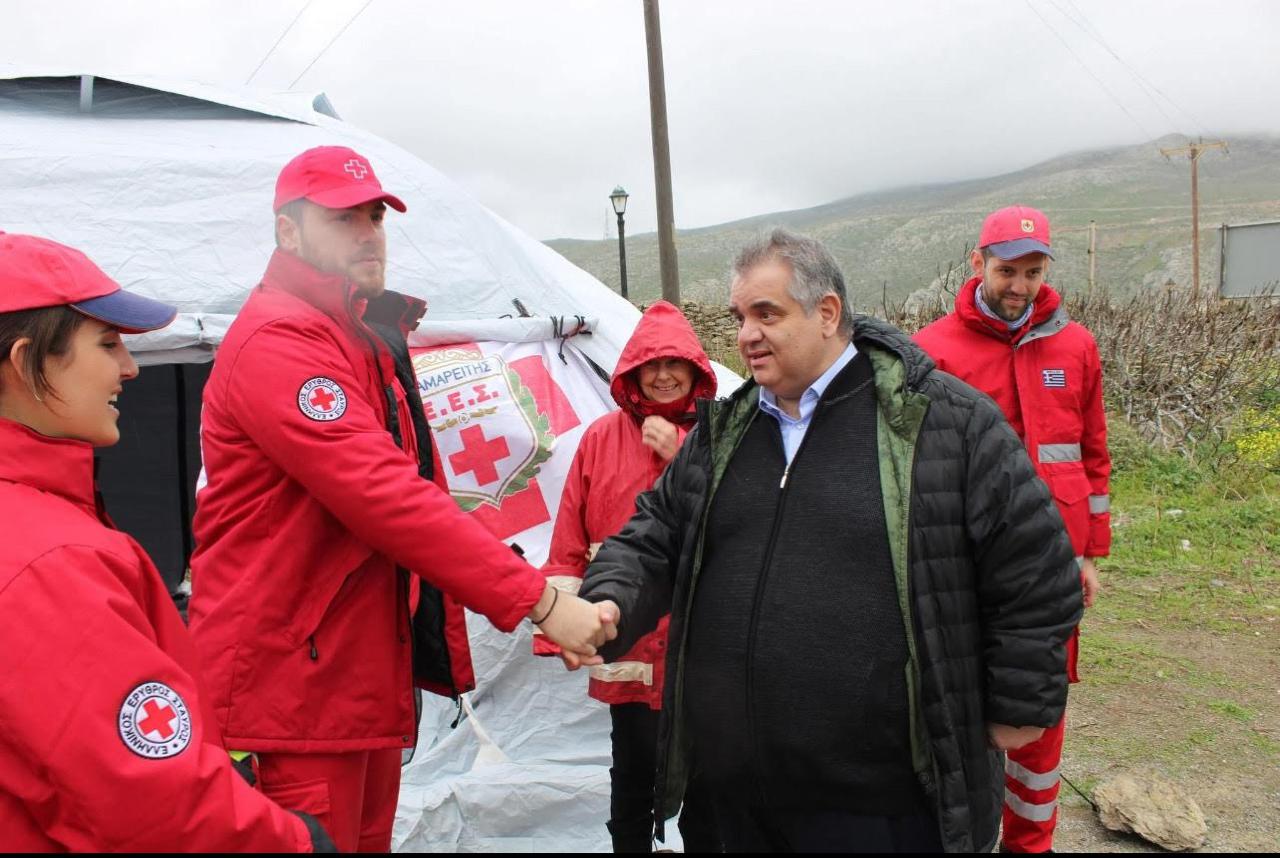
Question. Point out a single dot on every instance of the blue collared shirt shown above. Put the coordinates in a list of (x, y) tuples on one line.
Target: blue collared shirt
[(793, 428)]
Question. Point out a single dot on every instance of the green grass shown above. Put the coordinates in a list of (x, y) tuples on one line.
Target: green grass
[(1232, 710), (1214, 527), (1266, 744), (1194, 549)]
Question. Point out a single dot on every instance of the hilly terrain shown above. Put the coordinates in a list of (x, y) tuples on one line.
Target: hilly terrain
[(893, 243)]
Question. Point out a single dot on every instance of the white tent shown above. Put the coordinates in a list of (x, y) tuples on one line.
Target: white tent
[(167, 185)]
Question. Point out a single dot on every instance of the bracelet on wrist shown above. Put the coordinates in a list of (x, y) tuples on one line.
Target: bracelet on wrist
[(555, 597)]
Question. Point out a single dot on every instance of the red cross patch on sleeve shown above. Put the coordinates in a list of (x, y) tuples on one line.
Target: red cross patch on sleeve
[(322, 399), (154, 721)]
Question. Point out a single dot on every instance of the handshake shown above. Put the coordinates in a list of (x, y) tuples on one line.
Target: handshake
[(578, 626)]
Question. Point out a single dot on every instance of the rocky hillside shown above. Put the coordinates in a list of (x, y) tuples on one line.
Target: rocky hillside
[(895, 242)]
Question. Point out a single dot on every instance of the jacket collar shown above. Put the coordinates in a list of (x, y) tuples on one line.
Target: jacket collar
[(58, 466), (333, 295), (1047, 302)]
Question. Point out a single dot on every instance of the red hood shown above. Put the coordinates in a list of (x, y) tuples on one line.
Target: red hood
[(663, 332), (1047, 300)]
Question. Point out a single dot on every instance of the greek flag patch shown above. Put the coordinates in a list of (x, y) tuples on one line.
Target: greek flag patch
[(1054, 377)]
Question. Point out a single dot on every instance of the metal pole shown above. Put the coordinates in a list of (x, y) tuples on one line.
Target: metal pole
[(86, 93), (1195, 225), (1093, 254), (622, 254), (661, 155), (1222, 261)]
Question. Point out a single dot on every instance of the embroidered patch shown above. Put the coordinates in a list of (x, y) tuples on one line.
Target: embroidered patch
[(154, 721), (322, 399), (1028, 225), (1054, 377)]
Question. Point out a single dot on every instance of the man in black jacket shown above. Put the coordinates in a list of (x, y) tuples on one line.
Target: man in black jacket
[(870, 589)]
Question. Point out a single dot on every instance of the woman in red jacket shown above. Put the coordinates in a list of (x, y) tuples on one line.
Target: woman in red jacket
[(105, 744), (662, 370)]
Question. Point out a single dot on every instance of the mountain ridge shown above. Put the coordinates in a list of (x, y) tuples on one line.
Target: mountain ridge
[(893, 242)]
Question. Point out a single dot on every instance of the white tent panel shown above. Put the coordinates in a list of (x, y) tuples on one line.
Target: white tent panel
[(168, 186)]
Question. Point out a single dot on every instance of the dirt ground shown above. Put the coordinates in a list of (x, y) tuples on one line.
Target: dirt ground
[(1202, 709)]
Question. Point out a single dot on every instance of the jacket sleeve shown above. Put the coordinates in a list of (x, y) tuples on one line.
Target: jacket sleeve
[(352, 466), (1028, 584), (76, 648), (567, 557), (637, 567), (1097, 459)]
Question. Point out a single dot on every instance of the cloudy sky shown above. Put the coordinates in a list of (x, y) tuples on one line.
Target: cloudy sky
[(540, 107)]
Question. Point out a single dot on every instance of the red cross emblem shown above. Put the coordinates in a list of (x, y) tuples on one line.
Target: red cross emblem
[(154, 721), (479, 455), (356, 169), (322, 399), (160, 718)]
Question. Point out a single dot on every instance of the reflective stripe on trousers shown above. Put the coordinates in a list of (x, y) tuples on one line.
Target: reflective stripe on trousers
[(1030, 779), (1027, 810), (1099, 504)]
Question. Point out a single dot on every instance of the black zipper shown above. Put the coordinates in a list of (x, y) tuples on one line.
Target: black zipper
[(315, 655), (394, 428), (759, 594)]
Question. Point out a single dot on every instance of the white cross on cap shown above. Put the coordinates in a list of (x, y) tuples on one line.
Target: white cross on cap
[(355, 168)]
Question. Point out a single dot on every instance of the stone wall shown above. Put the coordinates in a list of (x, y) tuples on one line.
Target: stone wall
[(716, 329)]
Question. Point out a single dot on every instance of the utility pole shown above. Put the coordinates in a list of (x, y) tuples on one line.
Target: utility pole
[(1193, 152), (661, 155), (1093, 255)]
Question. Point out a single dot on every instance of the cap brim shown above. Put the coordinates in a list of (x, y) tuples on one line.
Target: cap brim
[(354, 195), (128, 311), (1018, 248)]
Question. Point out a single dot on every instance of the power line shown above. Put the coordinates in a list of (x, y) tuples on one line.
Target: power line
[(1081, 21), (325, 49), (1091, 33), (1085, 66), (305, 7)]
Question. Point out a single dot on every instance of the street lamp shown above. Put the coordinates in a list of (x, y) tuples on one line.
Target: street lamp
[(619, 200)]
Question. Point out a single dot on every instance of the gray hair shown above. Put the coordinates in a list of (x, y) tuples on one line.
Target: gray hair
[(814, 272)]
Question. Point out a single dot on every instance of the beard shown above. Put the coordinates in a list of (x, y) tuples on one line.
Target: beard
[(368, 283)]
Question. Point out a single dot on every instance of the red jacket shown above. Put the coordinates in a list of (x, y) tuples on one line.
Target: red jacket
[(298, 609), (107, 741), (1047, 378), (611, 467)]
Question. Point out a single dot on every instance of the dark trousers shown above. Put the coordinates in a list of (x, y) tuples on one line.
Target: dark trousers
[(635, 760), (744, 828)]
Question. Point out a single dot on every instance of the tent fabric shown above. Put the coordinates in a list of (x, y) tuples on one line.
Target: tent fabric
[(167, 185)]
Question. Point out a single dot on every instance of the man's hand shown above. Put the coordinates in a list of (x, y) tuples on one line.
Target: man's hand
[(609, 616), (1089, 581), (1006, 738), (575, 624), (661, 436)]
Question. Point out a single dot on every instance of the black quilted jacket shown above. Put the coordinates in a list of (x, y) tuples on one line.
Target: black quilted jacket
[(986, 577)]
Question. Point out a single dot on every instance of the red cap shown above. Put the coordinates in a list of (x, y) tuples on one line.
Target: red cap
[(36, 272), (1016, 231), (331, 176)]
